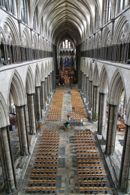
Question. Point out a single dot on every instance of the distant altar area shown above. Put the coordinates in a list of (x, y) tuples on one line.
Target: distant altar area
[(66, 63)]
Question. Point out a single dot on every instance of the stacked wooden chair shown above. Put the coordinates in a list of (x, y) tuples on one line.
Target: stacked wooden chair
[(55, 112), (43, 176), (90, 171), (77, 106)]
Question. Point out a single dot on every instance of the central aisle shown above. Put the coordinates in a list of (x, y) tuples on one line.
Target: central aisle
[(67, 107)]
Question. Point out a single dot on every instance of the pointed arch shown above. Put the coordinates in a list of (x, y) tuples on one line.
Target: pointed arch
[(17, 89), (30, 84), (103, 84), (116, 88), (90, 72), (37, 76), (96, 79), (42, 72), (11, 24), (118, 29), (4, 118), (106, 32), (27, 35)]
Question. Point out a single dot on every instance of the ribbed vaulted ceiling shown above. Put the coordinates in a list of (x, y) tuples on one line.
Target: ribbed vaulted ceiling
[(67, 18)]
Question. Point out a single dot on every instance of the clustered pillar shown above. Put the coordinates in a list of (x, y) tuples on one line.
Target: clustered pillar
[(90, 94), (48, 84), (95, 100), (38, 103), (43, 95), (7, 161), (125, 164), (46, 93), (101, 112), (22, 130), (84, 83), (51, 82), (111, 129), (87, 89), (31, 113)]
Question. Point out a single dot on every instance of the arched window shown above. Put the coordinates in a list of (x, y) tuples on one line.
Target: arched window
[(8, 4), (24, 11), (66, 44)]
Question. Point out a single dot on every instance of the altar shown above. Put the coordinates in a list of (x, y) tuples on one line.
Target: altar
[(67, 76)]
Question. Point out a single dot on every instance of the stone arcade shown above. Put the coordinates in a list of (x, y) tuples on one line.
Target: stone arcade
[(36, 37)]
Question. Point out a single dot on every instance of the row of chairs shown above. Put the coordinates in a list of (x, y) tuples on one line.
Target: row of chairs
[(89, 165), (77, 106), (93, 189), (55, 112), (51, 132), (90, 171), (87, 148), (44, 190), (44, 172)]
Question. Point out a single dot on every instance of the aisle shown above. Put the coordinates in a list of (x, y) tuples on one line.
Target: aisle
[(67, 106)]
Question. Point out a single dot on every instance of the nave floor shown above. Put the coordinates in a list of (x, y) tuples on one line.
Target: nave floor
[(67, 175), (67, 179)]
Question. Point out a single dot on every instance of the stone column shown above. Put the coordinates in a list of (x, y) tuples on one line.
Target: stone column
[(84, 84), (101, 112), (48, 84), (87, 89), (43, 94), (90, 94), (46, 90), (125, 164), (95, 100), (47, 87), (22, 130), (31, 113), (82, 81), (7, 161), (111, 129), (38, 103), (51, 82)]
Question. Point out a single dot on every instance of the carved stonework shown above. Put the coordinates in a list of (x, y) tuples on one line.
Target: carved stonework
[(125, 33), (109, 40)]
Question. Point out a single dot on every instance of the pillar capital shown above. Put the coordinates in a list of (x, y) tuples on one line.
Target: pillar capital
[(112, 105), (30, 94), (102, 93), (37, 86), (96, 86), (21, 106), (19, 21)]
